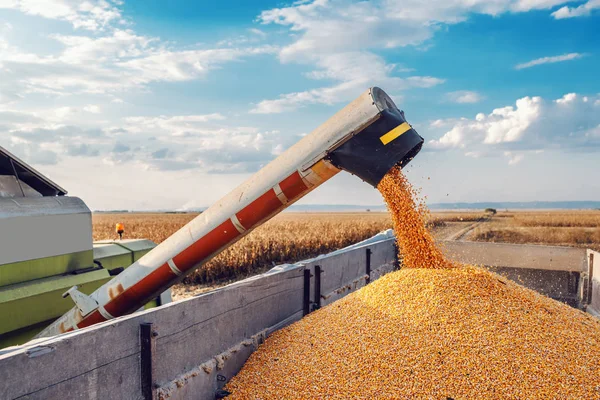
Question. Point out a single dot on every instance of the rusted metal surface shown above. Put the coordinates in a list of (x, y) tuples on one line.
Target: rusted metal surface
[(115, 291)]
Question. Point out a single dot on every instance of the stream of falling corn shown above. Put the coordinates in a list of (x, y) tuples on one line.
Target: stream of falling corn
[(416, 246), (429, 332)]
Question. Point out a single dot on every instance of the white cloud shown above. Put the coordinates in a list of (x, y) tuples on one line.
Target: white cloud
[(165, 143), (89, 14), (183, 142), (570, 98), (258, 32), (179, 125), (91, 108), (255, 36), (88, 74), (114, 62), (354, 72), (340, 38), (514, 158), (533, 124), (325, 26), (549, 60), (502, 125), (579, 11), (172, 66), (119, 45), (464, 97)]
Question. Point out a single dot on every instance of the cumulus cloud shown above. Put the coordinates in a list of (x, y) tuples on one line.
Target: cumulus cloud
[(205, 142), (112, 62), (569, 123), (209, 145), (549, 60), (110, 59), (340, 39)]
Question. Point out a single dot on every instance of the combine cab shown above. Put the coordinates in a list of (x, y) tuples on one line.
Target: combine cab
[(46, 250)]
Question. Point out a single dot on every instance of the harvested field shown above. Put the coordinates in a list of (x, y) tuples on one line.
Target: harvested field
[(583, 219), (580, 237), (560, 228), (431, 330)]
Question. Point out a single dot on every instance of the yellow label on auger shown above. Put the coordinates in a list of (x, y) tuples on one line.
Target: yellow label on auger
[(394, 133)]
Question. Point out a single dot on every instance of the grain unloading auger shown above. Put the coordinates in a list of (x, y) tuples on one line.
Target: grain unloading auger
[(366, 138)]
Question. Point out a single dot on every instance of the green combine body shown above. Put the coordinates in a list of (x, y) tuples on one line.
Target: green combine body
[(46, 248)]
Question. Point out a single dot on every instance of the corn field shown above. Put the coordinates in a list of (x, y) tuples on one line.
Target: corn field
[(288, 237)]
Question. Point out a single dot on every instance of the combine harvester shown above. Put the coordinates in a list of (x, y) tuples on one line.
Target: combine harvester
[(46, 250)]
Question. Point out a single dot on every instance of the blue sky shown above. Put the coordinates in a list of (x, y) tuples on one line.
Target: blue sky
[(152, 104)]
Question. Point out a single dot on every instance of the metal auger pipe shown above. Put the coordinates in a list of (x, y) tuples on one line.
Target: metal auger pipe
[(366, 138)]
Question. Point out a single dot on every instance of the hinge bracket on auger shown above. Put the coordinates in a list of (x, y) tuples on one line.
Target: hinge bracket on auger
[(84, 303)]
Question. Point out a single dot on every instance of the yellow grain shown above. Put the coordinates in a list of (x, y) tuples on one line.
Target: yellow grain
[(429, 332)]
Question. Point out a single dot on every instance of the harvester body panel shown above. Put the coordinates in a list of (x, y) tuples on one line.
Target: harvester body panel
[(46, 249)]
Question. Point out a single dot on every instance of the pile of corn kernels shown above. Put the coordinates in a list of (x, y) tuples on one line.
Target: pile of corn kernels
[(435, 333)]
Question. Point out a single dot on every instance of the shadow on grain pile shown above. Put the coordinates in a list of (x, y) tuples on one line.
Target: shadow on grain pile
[(434, 329)]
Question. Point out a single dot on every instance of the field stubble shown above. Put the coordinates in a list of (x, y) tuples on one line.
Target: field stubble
[(560, 228)]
